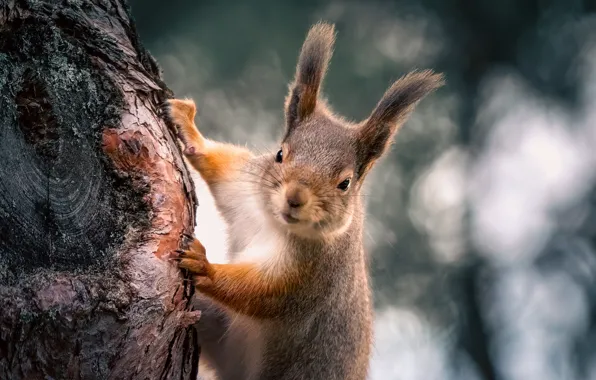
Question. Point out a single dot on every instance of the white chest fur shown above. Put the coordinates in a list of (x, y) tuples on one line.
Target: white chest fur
[(258, 241), (262, 247)]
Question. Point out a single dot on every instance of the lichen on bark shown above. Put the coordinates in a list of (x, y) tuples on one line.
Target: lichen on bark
[(55, 105)]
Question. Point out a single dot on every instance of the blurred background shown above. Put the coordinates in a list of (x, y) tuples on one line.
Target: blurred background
[(482, 220)]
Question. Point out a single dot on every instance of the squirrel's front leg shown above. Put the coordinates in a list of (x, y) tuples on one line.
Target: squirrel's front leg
[(243, 287), (215, 161)]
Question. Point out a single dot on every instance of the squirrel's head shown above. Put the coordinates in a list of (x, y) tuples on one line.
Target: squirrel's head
[(313, 182)]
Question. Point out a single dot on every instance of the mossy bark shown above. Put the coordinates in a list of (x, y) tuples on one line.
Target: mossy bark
[(93, 192)]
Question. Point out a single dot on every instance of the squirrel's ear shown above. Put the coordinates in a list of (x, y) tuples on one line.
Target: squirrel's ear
[(312, 65), (377, 132)]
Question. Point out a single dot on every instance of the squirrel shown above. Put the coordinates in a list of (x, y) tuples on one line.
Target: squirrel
[(296, 293)]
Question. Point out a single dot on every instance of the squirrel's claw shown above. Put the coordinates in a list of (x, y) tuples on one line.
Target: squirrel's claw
[(164, 109), (175, 255), (186, 239)]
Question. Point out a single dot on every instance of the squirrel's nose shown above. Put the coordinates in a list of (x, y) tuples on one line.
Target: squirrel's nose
[(294, 203), (296, 196)]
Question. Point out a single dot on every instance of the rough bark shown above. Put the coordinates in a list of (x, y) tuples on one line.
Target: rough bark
[(93, 191)]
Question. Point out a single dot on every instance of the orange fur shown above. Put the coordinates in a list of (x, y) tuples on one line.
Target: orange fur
[(213, 160), (182, 112), (246, 289), (219, 162), (243, 287)]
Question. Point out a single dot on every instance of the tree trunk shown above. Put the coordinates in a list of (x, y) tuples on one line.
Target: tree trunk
[(93, 191)]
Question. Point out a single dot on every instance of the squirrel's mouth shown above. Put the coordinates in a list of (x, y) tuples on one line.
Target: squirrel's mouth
[(289, 218)]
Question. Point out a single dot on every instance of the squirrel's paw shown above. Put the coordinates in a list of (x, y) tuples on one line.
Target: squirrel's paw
[(182, 112), (193, 258)]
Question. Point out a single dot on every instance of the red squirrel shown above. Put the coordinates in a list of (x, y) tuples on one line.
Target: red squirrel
[(296, 291)]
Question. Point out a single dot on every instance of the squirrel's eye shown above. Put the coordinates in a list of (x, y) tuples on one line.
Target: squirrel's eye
[(279, 157), (344, 185)]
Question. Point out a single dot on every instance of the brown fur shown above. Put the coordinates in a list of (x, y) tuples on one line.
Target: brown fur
[(376, 134), (312, 65), (296, 294)]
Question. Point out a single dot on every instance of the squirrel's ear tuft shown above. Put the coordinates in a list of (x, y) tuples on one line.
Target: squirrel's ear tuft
[(312, 65), (377, 132)]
